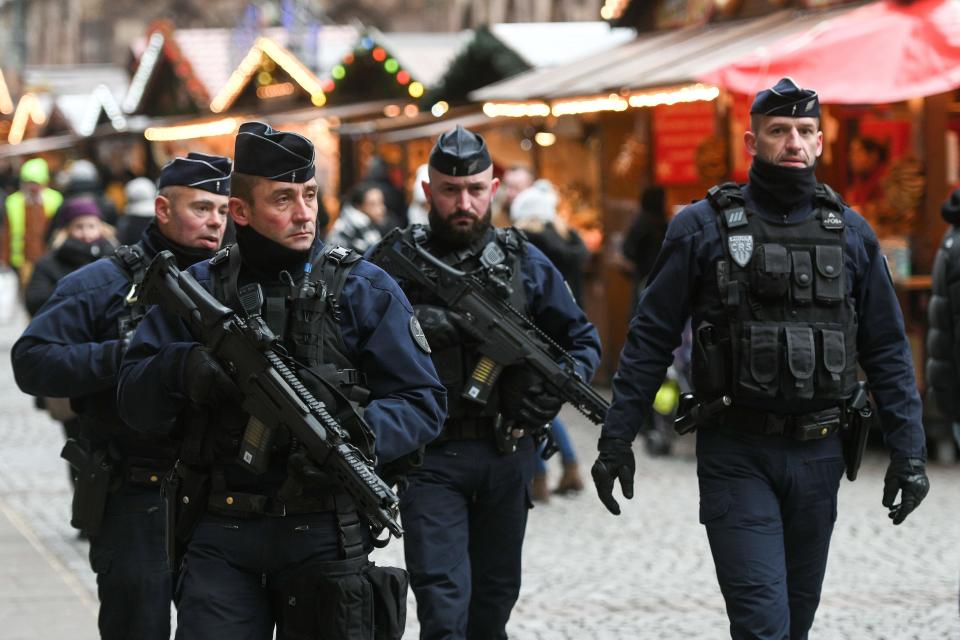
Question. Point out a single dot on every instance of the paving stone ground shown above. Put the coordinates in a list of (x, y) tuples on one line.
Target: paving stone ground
[(587, 574)]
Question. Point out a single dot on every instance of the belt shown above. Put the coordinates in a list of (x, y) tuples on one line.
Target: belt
[(467, 429), (248, 505), (805, 426), (144, 476)]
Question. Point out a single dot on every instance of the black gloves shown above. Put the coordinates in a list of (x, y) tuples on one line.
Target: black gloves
[(908, 477), (615, 462), (439, 324), (527, 399), (206, 382)]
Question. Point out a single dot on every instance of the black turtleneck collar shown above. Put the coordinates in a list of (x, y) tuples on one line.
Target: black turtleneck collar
[(266, 258), (782, 189), (154, 242)]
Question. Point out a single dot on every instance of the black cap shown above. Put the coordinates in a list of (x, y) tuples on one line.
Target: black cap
[(275, 155), (198, 171), (460, 152), (787, 99)]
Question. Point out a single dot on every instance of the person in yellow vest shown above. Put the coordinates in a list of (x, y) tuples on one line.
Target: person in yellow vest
[(28, 213)]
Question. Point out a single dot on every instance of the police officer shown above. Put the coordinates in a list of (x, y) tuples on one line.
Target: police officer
[(284, 548), (72, 348), (788, 292), (465, 510)]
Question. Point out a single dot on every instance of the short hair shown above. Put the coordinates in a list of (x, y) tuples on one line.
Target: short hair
[(358, 193), (242, 186), (169, 192)]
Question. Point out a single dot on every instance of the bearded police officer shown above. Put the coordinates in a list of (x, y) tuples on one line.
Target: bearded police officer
[(72, 348), (788, 292), (465, 510), (286, 547)]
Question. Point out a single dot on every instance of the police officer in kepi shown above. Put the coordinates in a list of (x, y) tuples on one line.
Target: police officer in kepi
[(73, 348), (788, 293), (286, 547), (465, 509)]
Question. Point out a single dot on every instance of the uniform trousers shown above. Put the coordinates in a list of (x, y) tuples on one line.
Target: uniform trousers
[(128, 556), (769, 504), (465, 514)]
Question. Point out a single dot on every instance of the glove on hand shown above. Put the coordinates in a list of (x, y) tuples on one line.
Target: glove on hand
[(206, 381), (908, 477), (615, 462), (526, 398), (439, 324)]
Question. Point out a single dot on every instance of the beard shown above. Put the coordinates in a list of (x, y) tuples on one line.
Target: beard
[(450, 236)]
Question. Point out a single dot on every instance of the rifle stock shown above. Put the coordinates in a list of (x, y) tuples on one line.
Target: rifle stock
[(273, 394)]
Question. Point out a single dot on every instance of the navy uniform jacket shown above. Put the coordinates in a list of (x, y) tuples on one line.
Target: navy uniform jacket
[(71, 347), (692, 246), (408, 403), (556, 313)]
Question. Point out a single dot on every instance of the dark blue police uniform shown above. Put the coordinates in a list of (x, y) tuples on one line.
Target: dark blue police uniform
[(768, 488), (260, 557), (72, 348), (465, 510)]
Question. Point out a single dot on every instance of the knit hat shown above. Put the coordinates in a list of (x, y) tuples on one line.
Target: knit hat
[(78, 208), (35, 170), (538, 202), (141, 196)]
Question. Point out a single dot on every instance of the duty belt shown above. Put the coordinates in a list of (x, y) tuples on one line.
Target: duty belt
[(806, 426), (250, 505), (467, 429), (145, 476)]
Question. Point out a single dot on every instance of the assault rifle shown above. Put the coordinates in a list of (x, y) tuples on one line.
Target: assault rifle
[(272, 394), (507, 336)]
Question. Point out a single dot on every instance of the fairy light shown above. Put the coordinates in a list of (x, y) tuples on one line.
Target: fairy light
[(516, 109), (26, 111), (613, 9), (6, 101), (691, 93), (613, 102), (439, 108), (415, 89), (250, 65), (221, 127)]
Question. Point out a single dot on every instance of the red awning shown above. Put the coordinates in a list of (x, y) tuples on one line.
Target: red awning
[(886, 51)]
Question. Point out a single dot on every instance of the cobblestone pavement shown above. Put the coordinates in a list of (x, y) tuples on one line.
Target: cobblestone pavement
[(645, 574)]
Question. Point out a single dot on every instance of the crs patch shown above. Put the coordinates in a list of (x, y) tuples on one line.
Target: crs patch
[(416, 332), (741, 248)]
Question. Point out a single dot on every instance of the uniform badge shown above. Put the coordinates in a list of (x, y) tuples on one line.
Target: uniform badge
[(736, 217), (492, 255), (416, 331), (741, 248), (832, 221)]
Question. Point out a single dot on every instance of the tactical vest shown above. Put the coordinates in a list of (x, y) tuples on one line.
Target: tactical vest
[(496, 261), (305, 319), (139, 453), (777, 322)]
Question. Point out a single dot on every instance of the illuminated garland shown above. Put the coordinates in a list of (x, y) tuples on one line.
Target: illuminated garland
[(379, 55), (612, 102)]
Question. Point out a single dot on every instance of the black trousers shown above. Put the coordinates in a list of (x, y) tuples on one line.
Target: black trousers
[(128, 556), (769, 505)]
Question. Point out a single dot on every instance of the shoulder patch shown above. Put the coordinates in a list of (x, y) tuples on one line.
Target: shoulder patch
[(419, 337), (831, 220)]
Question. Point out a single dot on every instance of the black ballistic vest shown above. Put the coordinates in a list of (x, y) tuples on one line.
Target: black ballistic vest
[(305, 318), (455, 363), (777, 322)]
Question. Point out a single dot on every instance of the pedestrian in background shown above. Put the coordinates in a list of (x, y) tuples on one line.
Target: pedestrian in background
[(139, 211), (642, 243), (789, 293), (28, 214), (73, 348), (534, 211), (360, 223)]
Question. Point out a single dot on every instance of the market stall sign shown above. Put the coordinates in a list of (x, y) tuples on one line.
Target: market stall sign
[(678, 131)]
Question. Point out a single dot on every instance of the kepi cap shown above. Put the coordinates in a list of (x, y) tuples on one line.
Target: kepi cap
[(283, 156), (197, 171), (786, 98), (460, 152)]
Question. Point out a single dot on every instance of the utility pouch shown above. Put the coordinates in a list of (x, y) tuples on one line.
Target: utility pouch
[(801, 362), (802, 285), (186, 493), (833, 363), (93, 471), (818, 425), (760, 361), (828, 283), (860, 417), (333, 600), (389, 586), (710, 372), (771, 271)]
